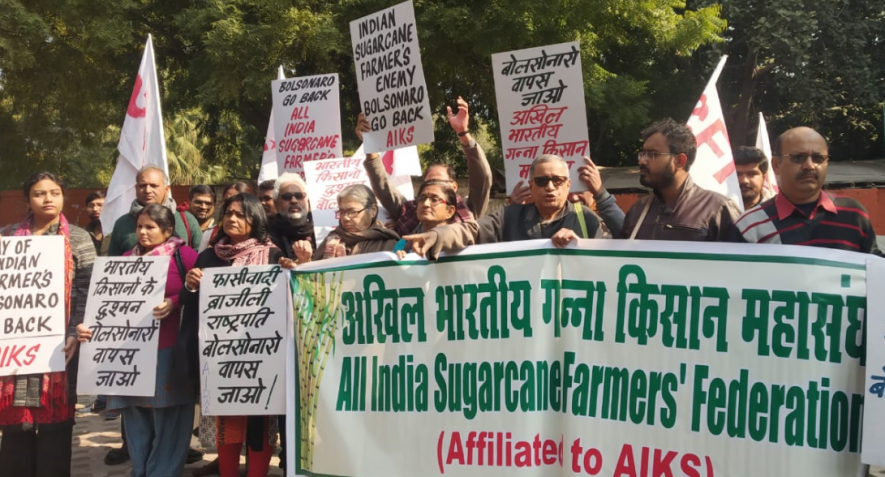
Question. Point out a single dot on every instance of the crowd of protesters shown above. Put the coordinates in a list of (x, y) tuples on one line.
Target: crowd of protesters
[(276, 226)]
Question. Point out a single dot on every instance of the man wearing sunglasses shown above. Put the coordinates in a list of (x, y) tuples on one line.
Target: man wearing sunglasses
[(404, 212), (677, 209), (802, 213), (549, 216), (291, 228)]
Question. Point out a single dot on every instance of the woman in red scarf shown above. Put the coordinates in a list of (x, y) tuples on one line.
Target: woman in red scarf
[(243, 240), (37, 411)]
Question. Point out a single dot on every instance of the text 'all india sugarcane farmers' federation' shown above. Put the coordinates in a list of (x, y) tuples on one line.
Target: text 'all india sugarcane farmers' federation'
[(810, 415)]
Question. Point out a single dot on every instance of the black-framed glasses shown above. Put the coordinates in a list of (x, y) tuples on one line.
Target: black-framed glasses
[(652, 155), (801, 157), (542, 181), (434, 200), (297, 195), (351, 213)]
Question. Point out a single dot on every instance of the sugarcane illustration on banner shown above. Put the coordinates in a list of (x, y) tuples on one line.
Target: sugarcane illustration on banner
[(316, 301)]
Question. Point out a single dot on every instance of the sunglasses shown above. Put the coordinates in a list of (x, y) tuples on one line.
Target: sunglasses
[(542, 181), (801, 157), (297, 195)]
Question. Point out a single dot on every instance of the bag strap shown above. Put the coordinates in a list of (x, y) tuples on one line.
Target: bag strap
[(180, 264), (579, 210), (641, 218), (181, 273)]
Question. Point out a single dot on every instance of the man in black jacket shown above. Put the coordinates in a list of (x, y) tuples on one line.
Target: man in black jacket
[(291, 228), (549, 216)]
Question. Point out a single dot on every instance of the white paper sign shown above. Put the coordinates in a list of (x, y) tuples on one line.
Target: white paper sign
[(329, 177), (32, 305), (541, 108), (874, 403), (121, 357), (244, 327), (390, 77), (307, 121)]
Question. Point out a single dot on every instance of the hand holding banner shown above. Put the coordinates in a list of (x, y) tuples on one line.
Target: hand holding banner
[(121, 357), (32, 305)]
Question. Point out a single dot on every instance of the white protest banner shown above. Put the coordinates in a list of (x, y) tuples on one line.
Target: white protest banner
[(307, 121), (713, 167), (874, 404), (244, 323), (390, 79), (269, 168), (32, 305), (329, 177), (610, 358), (121, 357), (541, 108), (763, 143)]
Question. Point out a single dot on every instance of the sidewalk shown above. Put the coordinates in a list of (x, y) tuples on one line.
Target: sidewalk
[(94, 437)]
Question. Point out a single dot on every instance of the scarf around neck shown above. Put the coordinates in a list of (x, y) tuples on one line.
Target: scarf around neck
[(136, 208), (247, 252), (165, 249)]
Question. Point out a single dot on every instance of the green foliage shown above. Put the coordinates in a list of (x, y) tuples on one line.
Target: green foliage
[(67, 69), (807, 62)]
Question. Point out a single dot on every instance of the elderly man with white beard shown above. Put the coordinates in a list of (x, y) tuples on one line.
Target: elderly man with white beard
[(291, 228)]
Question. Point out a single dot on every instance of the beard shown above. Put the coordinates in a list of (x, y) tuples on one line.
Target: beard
[(749, 194), (661, 179), (296, 218)]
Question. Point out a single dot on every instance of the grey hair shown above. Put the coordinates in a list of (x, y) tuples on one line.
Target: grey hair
[(285, 178), (153, 168), (361, 194), (545, 158), (358, 192)]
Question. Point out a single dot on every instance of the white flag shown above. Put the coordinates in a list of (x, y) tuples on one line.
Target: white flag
[(269, 158), (713, 167), (142, 141), (763, 143)]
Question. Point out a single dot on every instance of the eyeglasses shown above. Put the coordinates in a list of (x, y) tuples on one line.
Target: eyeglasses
[(351, 213), (297, 195), (801, 157), (434, 200), (542, 181), (652, 155)]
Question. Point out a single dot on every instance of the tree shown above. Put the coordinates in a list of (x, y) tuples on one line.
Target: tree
[(68, 67), (804, 62)]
